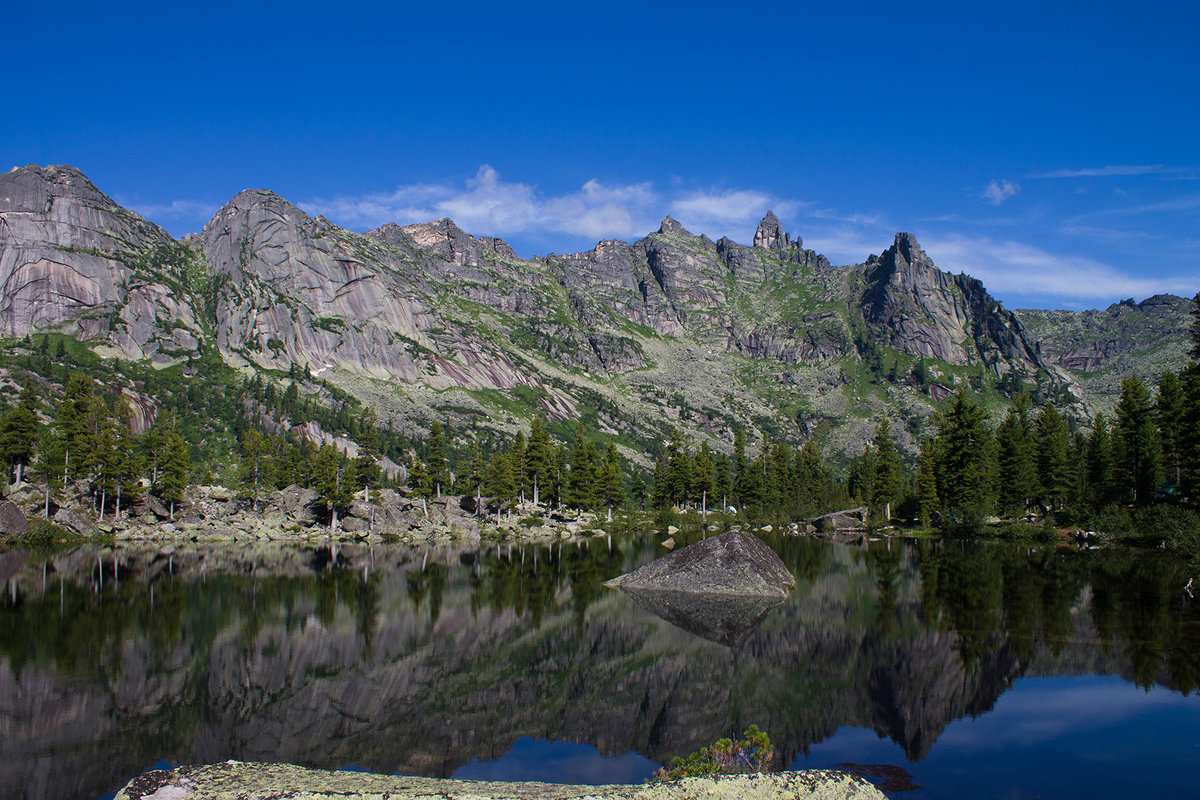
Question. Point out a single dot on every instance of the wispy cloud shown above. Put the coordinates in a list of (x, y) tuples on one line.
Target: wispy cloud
[(1114, 170), (999, 191), (1012, 268), (487, 204), (177, 210)]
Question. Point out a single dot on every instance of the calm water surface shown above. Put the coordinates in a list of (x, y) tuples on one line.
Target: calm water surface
[(970, 669)]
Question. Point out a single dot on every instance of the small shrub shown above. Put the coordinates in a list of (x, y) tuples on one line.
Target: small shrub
[(724, 757), (1165, 524), (1113, 521)]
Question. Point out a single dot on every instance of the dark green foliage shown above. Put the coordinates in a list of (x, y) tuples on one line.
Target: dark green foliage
[(753, 753), (1140, 454), (888, 485), (1016, 470), (19, 434), (965, 458), (1053, 459)]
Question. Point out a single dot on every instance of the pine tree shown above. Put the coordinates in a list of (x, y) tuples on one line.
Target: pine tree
[(637, 489), (965, 450), (19, 434), (499, 481), (660, 489), (538, 455), (1169, 416), (128, 467), (889, 473), (176, 468), (1016, 468), (702, 477), (330, 484), (439, 474), (1141, 463), (475, 472), (255, 461), (612, 480), (1051, 444), (367, 475), (516, 454), (927, 493), (1098, 466), (581, 480)]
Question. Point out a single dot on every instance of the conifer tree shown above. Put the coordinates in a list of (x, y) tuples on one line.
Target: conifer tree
[(888, 485), (927, 492), (255, 455), (439, 474), (1098, 466), (19, 434), (702, 477), (1051, 445), (499, 480), (1169, 416), (367, 474), (612, 480), (722, 485), (1141, 454), (475, 472), (516, 455), (126, 454), (1016, 468), (581, 480), (538, 455), (660, 489), (965, 457), (175, 471), (330, 484), (637, 489)]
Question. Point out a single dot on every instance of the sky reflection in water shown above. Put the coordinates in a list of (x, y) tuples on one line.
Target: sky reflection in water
[(1090, 736)]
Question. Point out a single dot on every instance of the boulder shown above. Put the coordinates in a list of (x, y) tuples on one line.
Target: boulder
[(21, 492), (733, 563), (852, 519), (157, 508), (12, 519), (75, 522)]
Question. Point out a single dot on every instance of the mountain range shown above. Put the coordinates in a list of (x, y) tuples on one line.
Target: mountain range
[(427, 322)]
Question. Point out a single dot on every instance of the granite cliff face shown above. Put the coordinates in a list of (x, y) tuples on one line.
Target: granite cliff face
[(428, 321)]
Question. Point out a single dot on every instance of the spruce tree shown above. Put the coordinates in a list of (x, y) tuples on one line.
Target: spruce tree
[(1017, 477), (1169, 409), (1051, 444), (888, 485), (255, 455), (439, 474), (176, 468), (367, 475), (19, 434), (538, 456), (1098, 465), (581, 480), (927, 483), (612, 480), (965, 463), (1141, 454), (330, 484)]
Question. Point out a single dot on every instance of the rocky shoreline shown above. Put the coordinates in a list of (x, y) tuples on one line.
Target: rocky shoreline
[(216, 515), (233, 779)]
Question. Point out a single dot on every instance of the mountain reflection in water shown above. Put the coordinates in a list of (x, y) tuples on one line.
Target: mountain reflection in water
[(403, 660)]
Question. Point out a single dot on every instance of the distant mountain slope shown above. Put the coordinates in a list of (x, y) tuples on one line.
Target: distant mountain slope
[(674, 330)]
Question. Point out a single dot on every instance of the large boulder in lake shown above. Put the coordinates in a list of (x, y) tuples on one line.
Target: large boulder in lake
[(733, 563)]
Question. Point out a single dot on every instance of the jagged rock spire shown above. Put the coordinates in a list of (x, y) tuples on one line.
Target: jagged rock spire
[(771, 235), (671, 225)]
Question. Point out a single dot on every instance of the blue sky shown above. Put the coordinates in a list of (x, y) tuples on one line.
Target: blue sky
[(1050, 149)]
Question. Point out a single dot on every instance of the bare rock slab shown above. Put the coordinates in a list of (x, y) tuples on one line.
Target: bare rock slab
[(234, 779), (733, 563)]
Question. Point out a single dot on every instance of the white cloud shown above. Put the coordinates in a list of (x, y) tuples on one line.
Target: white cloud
[(999, 191), (1109, 171), (728, 212), (486, 204), (177, 210), (1014, 268)]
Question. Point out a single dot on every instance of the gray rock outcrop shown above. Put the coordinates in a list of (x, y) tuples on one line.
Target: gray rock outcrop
[(12, 519), (733, 563), (236, 779)]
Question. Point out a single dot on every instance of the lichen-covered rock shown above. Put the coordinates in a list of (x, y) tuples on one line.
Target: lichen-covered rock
[(733, 563), (850, 519), (12, 519), (234, 779)]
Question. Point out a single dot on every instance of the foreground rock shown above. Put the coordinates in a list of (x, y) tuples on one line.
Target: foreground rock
[(733, 563), (233, 779)]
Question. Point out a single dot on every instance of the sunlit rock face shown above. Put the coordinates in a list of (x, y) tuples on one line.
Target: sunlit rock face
[(672, 329)]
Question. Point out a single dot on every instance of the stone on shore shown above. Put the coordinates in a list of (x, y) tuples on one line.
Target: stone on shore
[(233, 779), (852, 519), (12, 519), (733, 563)]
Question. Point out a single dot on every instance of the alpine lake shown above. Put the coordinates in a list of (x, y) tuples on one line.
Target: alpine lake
[(937, 668)]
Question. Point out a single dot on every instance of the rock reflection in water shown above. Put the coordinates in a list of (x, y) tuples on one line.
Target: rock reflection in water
[(723, 619)]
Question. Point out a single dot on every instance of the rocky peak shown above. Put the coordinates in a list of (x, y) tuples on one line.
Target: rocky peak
[(771, 235), (671, 225)]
